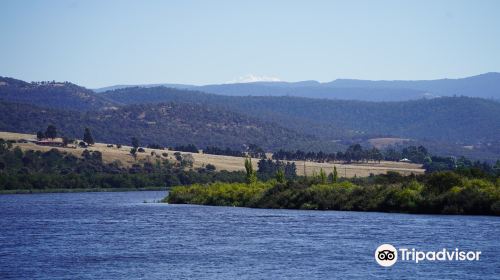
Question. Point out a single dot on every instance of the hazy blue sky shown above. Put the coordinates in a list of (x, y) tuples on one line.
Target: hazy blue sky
[(99, 43)]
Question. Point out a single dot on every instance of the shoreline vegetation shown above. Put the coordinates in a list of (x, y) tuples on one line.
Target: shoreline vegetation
[(466, 190)]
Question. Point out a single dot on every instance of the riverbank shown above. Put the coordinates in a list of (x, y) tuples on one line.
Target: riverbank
[(34, 191), (438, 193)]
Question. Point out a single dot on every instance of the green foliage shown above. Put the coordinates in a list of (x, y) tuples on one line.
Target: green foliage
[(222, 194), (280, 176), (439, 193), (442, 181), (322, 176), (335, 174), (268, 168), (251, 175), (415, 154)]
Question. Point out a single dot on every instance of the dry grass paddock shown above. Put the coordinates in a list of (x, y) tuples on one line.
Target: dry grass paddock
[(111, 154)]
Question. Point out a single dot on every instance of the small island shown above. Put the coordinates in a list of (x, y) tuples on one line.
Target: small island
[(466, 190)]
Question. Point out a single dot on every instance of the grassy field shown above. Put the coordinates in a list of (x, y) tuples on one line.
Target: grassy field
[(111, 154)]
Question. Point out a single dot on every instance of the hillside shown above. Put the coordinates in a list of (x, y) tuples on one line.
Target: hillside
[(446, 126), (483, 86), (165, 124), (439, 119), (52, 95)]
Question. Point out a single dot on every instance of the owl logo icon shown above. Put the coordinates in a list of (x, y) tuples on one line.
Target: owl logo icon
[(386, 255)]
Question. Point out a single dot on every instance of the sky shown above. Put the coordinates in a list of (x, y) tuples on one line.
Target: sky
[(103, 43)]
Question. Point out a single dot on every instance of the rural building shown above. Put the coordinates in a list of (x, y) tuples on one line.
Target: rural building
[(54, 143)]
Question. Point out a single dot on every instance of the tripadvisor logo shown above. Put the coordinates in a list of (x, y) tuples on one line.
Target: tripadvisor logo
[(387, 255)]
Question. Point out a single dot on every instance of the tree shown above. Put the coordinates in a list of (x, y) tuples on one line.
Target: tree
[(322, 176), (256, 151), (187, 160), (40, 135), (210, 167), (190, 148), (87, 137), (51, 132), (133, 152), (251, 175), (65, 141), (280, 176), (376, 155), (135, 142), (335, 174)]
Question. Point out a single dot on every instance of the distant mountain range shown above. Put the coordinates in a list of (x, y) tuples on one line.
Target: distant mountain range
[(484, 86), (172, 116)]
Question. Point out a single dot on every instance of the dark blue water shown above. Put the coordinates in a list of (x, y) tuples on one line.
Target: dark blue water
[(117, 236)]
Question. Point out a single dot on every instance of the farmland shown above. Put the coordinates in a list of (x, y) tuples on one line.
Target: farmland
[(229, 163)]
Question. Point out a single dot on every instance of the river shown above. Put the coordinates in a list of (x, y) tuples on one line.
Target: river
[(118, 236)]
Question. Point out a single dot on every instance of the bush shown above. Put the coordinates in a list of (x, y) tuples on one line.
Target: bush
[(442, 181), (441, 193), (210, 167)]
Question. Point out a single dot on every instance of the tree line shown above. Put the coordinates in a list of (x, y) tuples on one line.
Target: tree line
[(465, 190), (354, 153), (36, 170), (52, 133)]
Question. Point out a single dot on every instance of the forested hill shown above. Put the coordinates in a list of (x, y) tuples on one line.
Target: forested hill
[(453, 125), (52, 94), (164, 124), (453, 119), (484, 86)]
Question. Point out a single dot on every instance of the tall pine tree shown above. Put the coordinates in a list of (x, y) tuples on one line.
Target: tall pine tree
[(87, 137), (51, 132)]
